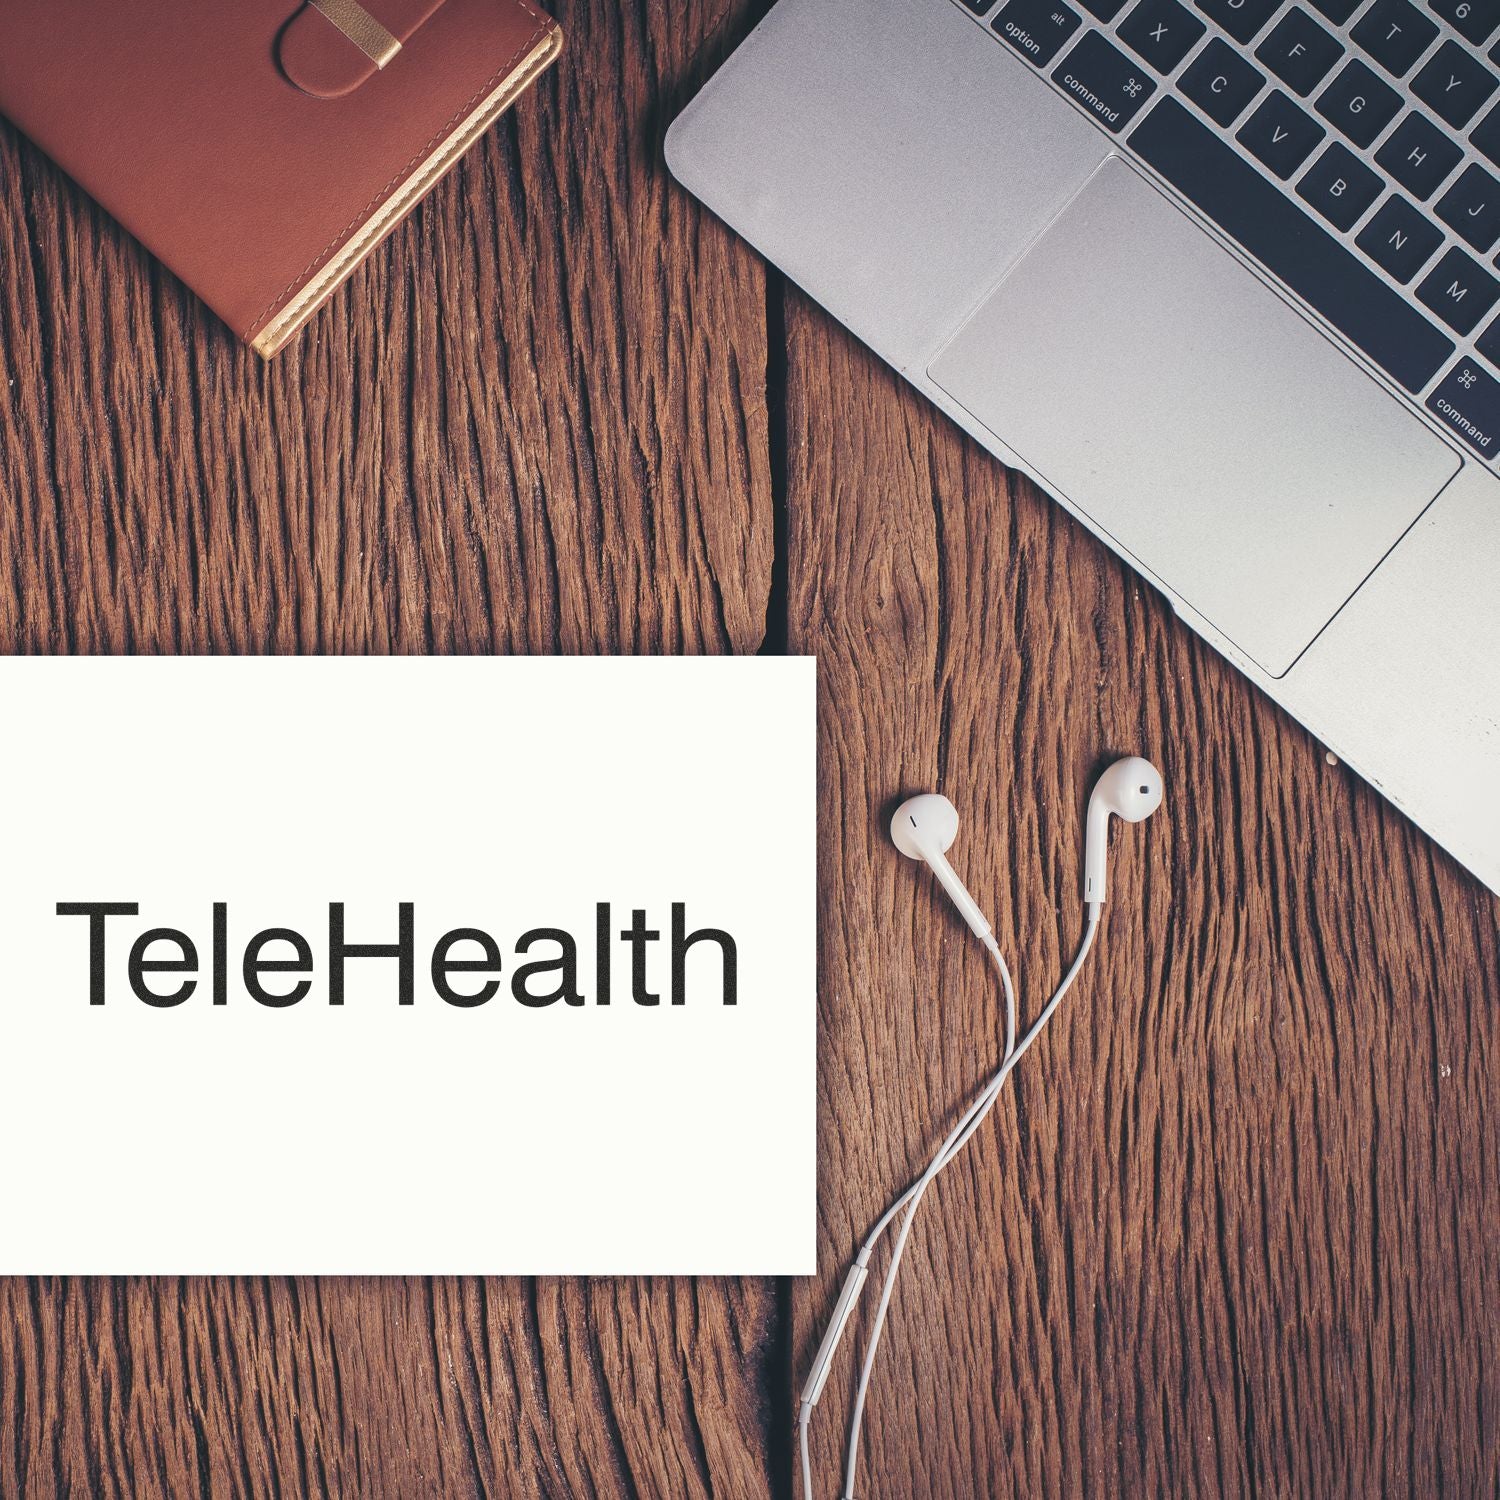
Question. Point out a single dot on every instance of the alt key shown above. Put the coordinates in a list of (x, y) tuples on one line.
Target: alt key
[(1036, 28), (1468, 400)]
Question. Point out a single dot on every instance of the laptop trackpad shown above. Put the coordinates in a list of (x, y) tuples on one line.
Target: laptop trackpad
[(1208, 428)]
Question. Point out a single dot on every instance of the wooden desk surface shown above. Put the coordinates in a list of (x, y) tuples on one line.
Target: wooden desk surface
[(1235, 1230)]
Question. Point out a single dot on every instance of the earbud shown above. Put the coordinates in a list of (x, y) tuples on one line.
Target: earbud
[(924, 828), (1129, 789)]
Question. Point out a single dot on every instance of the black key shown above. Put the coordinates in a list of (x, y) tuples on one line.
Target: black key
[(1486, 137), (1299, 52), (1036, 28), (1290, 244), (1418, 155), (1162, 32), (1399, 239), (1337, 11), (1340, 186), (1240, 18), (1468, 400), (1488, 343), (1473, 20), (979, 6), (1471, 208), (1454, 84), (1394, 34), (1280, 134), (1459, 291), (1220, 82), (1359, 103), (1105, 10), (1104, 81)]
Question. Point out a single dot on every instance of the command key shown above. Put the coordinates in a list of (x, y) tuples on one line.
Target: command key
[(1104, 81), (1468, 400)]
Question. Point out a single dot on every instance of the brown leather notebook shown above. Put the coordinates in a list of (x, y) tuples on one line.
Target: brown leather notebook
[(263, 148)]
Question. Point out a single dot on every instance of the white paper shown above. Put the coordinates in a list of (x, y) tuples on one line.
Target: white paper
[(503, 794)]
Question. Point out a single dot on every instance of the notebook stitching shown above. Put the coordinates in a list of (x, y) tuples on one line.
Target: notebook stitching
[(543, 22)]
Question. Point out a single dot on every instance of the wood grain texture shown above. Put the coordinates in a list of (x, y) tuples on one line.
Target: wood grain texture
[(1233, 1231)]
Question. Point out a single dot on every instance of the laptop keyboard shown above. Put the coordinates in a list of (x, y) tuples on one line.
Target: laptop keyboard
[(1351, 147)]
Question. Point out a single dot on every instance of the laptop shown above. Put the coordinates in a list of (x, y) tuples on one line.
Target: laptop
[(1220, 276)]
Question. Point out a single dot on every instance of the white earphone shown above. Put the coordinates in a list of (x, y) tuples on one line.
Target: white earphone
[(1129, 789), (924, 827)]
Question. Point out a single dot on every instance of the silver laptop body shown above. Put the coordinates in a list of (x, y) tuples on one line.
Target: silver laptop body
[(1213, 351)]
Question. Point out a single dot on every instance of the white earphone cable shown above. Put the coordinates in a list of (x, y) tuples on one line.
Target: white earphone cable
[(835, 1332), (803, 1418), (958, 1137)]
